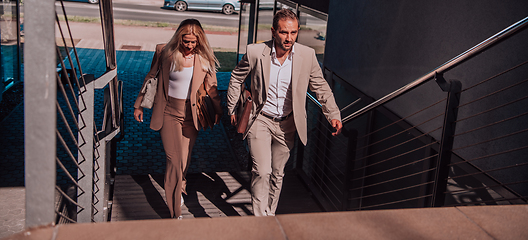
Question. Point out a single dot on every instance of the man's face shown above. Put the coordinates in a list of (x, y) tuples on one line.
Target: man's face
[(285, 34)]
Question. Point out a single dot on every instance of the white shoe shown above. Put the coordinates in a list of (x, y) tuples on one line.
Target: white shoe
[(182, 201), (180, 217)]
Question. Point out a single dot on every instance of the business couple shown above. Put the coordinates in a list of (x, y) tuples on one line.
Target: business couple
[(281, 72)]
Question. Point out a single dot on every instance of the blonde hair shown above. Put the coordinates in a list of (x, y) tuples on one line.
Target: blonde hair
[(202, 50)]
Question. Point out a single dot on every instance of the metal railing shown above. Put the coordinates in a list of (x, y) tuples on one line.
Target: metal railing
[(466, 147), (67, 158), (444, 67)]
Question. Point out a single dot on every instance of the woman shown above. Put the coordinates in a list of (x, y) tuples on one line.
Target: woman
[(185, 63)]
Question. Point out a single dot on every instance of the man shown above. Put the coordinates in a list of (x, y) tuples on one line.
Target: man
[(281, 72)]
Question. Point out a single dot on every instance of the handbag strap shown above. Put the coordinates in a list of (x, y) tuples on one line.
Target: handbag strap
[(159, 62)]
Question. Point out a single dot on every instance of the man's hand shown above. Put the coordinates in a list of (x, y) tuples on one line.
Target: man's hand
[(337, 125), (138, 114), (233, 120)]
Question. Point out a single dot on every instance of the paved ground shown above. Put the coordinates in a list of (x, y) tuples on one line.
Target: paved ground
[(209, 195), (89, 35), (12, 210)]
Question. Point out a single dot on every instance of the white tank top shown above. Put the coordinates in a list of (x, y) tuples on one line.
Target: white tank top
[(180, 82)]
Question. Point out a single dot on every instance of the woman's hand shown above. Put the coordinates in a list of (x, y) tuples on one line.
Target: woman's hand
[(233, 120), (138, 114)]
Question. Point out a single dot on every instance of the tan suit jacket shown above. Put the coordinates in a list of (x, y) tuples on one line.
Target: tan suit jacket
[(162, 95), (306, 73)]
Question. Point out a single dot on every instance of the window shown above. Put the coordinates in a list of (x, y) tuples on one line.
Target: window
[(313, 25), (10, 46)]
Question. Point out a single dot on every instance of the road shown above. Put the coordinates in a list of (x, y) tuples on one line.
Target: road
[(152, 13)]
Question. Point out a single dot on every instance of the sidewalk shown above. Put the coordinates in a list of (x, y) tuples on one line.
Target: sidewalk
[(89, 35)]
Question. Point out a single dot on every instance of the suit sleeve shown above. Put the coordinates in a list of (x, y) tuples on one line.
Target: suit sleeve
[(154, 66), (323, 92), (212, 90), (238, 75)]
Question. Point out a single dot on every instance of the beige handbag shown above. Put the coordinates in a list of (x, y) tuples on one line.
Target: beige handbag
[(149, 89)]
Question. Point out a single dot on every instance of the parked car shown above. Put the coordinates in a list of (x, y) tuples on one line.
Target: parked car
[(226, 6), (268, 4), (88, 1)]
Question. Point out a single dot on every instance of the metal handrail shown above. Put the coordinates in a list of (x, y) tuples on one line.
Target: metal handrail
[(309, 96), (443, 68)]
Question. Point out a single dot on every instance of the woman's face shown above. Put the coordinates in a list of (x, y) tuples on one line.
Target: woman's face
[(189, 42)]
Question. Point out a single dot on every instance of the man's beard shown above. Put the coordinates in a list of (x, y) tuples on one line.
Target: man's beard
[(282, 46)]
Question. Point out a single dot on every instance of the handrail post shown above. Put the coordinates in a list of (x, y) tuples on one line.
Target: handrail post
[(446, 142), (40, 112)]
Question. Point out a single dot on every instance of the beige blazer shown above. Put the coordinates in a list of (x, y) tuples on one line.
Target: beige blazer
[(306, 73), (162, 95)]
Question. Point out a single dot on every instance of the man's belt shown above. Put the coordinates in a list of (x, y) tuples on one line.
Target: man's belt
[(277, 119)]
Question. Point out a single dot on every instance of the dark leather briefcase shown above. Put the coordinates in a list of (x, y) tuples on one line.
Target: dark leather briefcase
[(243, 111)]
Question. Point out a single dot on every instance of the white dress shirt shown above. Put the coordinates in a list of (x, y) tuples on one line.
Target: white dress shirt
[(279, 99)]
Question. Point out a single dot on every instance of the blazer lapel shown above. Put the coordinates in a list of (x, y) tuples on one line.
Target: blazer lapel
[(296, 72), (198, 74), (265, 62)]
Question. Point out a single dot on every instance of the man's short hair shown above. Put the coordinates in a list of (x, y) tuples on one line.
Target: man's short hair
[(284, 14)]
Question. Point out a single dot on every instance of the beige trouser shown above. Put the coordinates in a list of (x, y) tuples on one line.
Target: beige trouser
[(269, 145), (178, 135)]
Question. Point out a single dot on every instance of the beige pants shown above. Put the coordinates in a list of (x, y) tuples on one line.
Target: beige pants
[(269, 145), (178, 135)]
